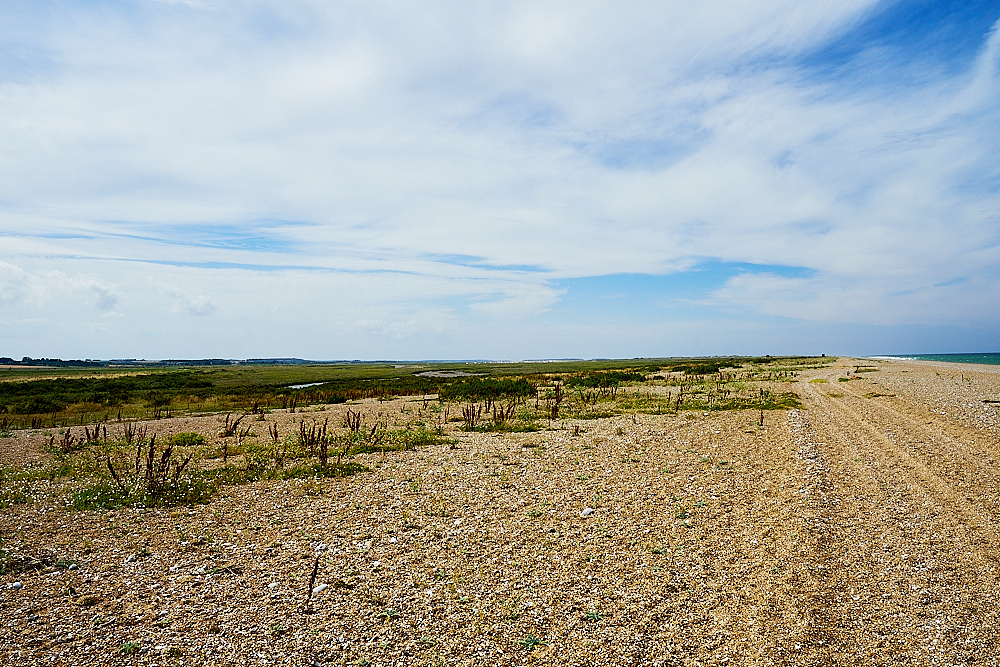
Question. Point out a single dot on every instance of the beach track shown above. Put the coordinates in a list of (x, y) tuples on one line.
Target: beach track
[(901, 506)]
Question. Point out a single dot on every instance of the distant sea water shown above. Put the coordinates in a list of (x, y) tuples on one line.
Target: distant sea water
[(991, 358)]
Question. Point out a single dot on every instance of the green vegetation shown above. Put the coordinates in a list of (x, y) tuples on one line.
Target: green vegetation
[(128, 648), (113, 462), (664, 388), (128, 468), (487, 389), (59, 394), (15, 488), (27, 401), (531, 642)]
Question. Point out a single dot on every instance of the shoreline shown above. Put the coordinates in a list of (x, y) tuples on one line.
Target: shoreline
[(992, 369)]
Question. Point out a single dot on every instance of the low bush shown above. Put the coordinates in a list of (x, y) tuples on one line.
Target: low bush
[(14, 492), (186, 439)]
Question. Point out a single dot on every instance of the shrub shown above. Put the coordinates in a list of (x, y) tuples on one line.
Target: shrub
[(605, 379), (188, 490), (186, 439), (149, 479), (487, 389)]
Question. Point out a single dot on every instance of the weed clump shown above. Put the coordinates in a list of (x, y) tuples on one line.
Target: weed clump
[(148, 478), (14, 488)]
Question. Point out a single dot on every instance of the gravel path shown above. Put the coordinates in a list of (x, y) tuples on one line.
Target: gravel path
[(860, 529)]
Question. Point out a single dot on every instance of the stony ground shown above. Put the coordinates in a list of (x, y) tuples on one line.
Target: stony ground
[(860, 529)]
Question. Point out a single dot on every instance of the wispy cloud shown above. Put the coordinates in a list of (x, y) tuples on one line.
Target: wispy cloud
[(28, 289), (103, 295), (17, 286), (197, 305), (451, 173)]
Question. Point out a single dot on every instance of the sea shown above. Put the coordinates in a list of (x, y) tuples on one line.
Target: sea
[(991, 358)]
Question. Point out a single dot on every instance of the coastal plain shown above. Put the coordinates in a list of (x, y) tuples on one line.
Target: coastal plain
[(859, 528)]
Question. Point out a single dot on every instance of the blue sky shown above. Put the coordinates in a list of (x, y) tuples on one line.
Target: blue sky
[(328, 180)]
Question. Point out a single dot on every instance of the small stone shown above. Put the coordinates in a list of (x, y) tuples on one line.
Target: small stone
[(376, 564), (458, 522), (393, 540), (131, 559), (273, 585), (320, 589), (587, 512), (200, 570), (16, 586), (73, 566)]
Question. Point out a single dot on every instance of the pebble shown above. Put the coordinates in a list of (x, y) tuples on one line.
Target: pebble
[(131, 559), (73, 566), (458, 522), (587, 512), (320, 588), (273, 585), (16, 586), (376, 564)]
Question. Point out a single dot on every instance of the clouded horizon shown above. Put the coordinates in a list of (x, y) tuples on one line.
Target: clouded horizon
[(341, 180)]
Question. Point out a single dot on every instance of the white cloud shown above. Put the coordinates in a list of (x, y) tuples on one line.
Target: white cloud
[(517, 301), (38, 289), (198, 306), (183, 302), (573, 139), (103, 296), (17, 286), (386, 330)]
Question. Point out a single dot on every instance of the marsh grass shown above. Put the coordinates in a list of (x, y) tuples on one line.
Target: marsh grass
[(39, 397), (721, 384), (109, 466)]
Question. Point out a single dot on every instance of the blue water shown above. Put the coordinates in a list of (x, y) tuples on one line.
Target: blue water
[(991, 358), (316, 384)]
